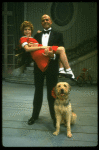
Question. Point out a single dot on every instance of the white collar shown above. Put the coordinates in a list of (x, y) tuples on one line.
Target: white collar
[(48, 29), (28, 37)]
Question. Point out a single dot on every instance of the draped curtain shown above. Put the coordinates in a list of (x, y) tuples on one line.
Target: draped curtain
[(18, 13)]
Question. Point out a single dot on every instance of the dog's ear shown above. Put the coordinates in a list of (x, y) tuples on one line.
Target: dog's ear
[(53, 92)]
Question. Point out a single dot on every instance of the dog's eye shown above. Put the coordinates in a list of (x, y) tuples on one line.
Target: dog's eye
[(59, 86), (65, 85)]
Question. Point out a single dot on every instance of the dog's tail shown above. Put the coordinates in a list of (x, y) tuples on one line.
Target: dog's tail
[(73, 118)]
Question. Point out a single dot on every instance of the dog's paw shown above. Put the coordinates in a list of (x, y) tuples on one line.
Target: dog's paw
[(55, 133), (69, 135)]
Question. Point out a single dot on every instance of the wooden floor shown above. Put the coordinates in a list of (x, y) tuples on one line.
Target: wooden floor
[(17, 106)]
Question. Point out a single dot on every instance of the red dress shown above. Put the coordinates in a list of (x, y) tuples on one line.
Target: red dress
[(41, 60)]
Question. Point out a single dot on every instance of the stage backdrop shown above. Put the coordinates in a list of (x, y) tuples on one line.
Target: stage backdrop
[(77, 21)]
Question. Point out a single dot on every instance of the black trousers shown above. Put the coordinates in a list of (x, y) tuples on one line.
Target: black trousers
[(51, 81)]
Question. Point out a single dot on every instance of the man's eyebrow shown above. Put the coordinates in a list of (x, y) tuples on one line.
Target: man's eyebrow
[(44, 19)]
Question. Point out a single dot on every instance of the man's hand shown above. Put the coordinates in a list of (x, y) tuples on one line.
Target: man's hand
[(39, 31), (48, 53), (51, 54), (31, 44)]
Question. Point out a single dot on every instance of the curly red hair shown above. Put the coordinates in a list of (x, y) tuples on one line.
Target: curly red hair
[(26, 24)]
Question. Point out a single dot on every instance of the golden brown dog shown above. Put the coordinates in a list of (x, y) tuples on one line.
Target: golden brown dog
[(62, 106)]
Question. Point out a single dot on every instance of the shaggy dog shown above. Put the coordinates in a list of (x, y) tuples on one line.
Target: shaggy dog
[(62, 107)]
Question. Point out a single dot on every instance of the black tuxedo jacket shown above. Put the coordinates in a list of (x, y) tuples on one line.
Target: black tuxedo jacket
[(55, 39)]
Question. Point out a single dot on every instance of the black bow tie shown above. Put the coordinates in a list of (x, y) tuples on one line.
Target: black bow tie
[(46, 31)]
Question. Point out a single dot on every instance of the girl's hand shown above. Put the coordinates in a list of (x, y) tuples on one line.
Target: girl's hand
[(46, 51), (51, 54), (30, 44)]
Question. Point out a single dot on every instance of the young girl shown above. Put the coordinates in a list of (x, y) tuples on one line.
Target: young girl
[(39, 53)]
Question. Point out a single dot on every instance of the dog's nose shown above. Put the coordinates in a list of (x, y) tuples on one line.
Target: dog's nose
[(62, 91)]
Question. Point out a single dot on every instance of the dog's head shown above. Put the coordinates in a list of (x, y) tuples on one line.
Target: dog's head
[(61, 90)]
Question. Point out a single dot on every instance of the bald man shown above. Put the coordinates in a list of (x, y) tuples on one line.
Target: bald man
[(48, 37)]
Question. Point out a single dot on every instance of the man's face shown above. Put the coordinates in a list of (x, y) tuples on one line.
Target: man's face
[(46, 21)]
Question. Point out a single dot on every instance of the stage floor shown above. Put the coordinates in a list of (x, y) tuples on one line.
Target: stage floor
[(17, 103)]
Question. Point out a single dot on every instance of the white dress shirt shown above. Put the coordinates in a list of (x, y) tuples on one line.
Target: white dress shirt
[(45, 38)]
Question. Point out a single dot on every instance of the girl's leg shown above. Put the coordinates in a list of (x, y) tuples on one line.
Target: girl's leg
[(64, 60), (60, 64), (61, 67), (63, 57)]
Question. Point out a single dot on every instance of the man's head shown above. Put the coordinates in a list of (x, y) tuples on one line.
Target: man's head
[(46, 21)]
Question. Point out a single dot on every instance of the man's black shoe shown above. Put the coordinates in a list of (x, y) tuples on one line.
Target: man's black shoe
[(31, 121)]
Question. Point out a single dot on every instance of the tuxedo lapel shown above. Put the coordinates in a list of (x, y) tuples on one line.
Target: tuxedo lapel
[(39, 38), (51, 38)]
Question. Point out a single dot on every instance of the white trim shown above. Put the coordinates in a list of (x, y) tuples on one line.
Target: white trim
[(48, 29), (23, 44), (54, 57)]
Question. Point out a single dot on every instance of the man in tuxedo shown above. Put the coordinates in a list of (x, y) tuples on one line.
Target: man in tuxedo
[(48, 37)]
